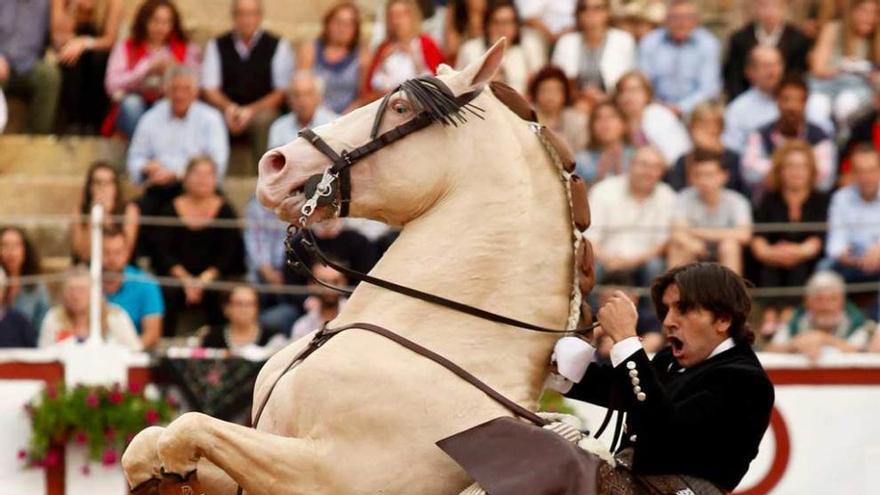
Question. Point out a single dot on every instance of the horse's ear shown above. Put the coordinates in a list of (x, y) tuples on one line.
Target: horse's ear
[(482, 71)]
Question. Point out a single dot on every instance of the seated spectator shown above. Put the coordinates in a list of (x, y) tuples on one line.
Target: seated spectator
[(756, 106), (844, 60), (324, 305), (70, 319), (406, 52), (706, 126), (596, 55), (787, 258), (865, 130), (631, 216), (853, 244), (197, 253), (650, 122), (465, 20), (265, 260), (524, 55), (136, 66), (791, 100), (347, 246), (337, 57), (639, 17), (19, 258), (549, 18), (242, 329), (131, 288), (768, 28), (82, 35), (173, 132), (551, 96), (681, 60), (609, 151), (826, 323), (245, 73), (24, 74), (710, 223), (15, 329), (102, 187), (305, 97)]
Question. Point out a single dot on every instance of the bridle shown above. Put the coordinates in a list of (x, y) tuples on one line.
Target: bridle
[(438, 104), (333, 188)]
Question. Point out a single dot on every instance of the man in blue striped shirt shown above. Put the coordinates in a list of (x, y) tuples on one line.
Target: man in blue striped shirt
[(853, 245)]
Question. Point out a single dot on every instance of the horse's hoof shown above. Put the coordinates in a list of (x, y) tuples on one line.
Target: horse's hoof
[(175, 484), (149, 487)]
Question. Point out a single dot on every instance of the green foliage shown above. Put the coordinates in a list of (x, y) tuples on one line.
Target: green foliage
[(552, 401), (103, 418)]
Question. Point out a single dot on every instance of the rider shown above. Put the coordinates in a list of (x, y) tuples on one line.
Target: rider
[(699, 408)]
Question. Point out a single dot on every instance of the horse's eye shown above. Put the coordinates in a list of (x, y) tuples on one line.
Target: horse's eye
[(399, 107)]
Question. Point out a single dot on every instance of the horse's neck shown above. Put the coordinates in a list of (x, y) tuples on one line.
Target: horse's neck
[(503, 246)]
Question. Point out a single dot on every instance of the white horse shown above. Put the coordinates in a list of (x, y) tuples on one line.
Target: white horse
[(486, 221)]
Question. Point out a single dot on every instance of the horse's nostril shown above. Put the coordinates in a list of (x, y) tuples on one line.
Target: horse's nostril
[(274, 162)]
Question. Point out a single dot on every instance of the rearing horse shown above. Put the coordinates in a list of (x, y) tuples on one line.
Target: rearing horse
[(486, 221)]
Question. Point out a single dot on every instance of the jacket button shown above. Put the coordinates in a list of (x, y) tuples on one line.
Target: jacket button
[(633, 373), (630, 365), (637, 389), (641, 396), (635, 380), (633, 438)]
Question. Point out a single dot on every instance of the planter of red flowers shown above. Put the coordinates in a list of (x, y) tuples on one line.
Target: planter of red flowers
[(102, 419)]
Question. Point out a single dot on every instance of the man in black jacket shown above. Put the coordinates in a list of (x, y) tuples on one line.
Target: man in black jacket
[(701, 406), (768, 29)]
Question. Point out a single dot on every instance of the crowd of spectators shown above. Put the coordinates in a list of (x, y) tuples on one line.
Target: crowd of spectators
[(696, 147)]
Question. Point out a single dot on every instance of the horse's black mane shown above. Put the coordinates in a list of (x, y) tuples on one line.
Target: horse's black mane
[(432, 98)]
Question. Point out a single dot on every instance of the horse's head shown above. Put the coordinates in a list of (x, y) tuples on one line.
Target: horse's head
[(400, 181)]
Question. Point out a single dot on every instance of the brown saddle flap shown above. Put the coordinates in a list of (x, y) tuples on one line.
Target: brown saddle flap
[(507, 456)]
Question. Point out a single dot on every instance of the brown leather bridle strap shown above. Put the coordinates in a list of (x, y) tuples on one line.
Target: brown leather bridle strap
[(311, 245), (326, 333)]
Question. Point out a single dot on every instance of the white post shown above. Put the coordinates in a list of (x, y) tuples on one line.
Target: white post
[(96, 294)]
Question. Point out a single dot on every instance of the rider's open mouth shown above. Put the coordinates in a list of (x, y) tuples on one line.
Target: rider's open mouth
[(676, 343)]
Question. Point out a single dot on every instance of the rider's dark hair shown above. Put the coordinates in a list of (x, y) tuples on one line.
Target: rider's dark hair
[(712, 287)]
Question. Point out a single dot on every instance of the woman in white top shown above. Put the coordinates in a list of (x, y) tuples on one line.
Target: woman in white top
[(596, 55), (524, 54), (650, 122), (70, 319)]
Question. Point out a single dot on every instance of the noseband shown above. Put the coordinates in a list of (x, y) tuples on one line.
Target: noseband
[(428, 94)]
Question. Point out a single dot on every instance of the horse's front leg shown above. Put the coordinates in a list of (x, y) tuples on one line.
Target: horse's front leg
[(143, 467), (262, 463)]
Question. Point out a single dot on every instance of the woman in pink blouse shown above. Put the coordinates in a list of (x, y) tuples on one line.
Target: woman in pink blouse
[(136, 66)]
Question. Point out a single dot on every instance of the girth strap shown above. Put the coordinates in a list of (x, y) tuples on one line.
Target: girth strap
[(326, 333)]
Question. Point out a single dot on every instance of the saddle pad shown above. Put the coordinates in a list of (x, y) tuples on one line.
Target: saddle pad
[(509, 457)]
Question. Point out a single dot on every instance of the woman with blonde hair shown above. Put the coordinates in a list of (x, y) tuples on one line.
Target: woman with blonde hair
[(844, 61), (406, 52), (787, 257), (70, 319)]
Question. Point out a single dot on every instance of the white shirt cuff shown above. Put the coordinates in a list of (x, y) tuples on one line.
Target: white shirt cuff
[(572, 356), (621, 351)]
